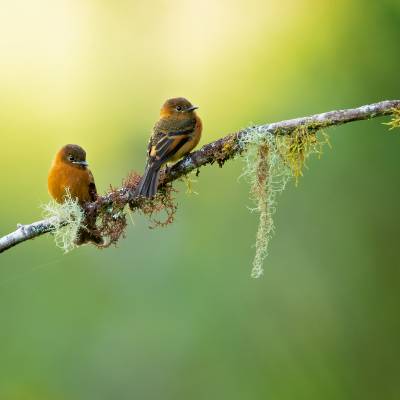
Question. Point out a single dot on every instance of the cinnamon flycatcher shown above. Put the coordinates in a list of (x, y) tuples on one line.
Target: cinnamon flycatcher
[(175, 134), (70, 172)]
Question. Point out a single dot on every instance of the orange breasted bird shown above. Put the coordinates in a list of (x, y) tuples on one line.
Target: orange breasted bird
[(70, 172), (175, 135)]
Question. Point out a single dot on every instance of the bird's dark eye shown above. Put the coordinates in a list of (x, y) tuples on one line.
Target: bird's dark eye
[(178, 108), (70, 158)]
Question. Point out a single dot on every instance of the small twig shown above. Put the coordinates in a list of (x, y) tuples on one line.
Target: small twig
[(26, 232)]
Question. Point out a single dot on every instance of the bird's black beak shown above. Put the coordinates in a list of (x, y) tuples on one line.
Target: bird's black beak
[(192, 108), (82, 163)]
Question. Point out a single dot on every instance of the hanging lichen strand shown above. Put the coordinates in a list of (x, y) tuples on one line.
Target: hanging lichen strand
[(271, 160), (261, 193)]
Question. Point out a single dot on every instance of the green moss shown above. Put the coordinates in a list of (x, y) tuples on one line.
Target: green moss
[(395, 121), (189, 182), (298, 146)]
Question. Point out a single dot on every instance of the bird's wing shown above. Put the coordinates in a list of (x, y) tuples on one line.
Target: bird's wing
[(92, 187), (168, 138)]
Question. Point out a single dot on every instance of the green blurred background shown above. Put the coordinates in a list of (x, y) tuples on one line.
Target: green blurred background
[(172, 313)]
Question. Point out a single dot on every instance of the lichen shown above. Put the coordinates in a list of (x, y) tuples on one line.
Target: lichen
[(260, 195), (67, 219), (268, 175), (271, 160)]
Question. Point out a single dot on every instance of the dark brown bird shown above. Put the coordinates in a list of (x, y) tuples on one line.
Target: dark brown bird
[(70, 172), (176, 134)]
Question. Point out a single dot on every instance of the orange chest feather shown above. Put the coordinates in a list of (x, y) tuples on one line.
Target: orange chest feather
[(63, 176), (191, 143)]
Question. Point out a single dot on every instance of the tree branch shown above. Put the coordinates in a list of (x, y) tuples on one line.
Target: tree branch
[(218, 151)]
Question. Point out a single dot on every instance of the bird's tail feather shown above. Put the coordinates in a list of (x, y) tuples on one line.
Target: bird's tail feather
[(148, 184)]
